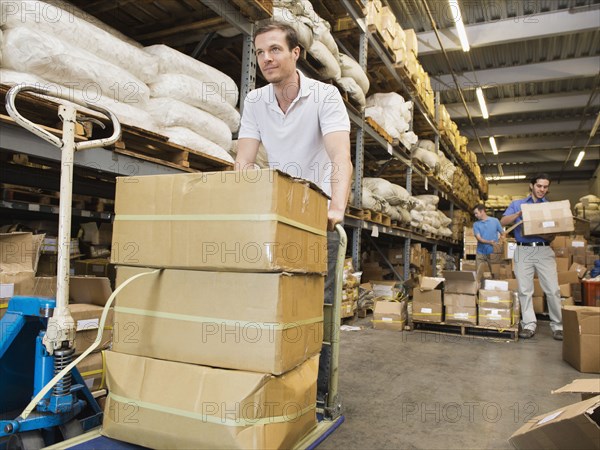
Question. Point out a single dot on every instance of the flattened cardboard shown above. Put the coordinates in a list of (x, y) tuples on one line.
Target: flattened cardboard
[(259, 220), (547, 218), (429, 283), (263, 322), (587, 387), (581, 331), (185, 406), (389, 316), (571, 427)]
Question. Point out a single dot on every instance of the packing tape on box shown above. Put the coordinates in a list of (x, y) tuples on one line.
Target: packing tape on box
[(217, 320), (241, 422), (3, 305), (219, 218), (388, 321), (102, 371)]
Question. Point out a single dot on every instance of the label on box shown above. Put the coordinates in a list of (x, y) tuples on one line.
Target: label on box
[(549, 224), (493, 299), (387, 319), (88, 324), (549, 418), (577, 244), (426, 310), (375, 231), (461, 316), (7, 290)]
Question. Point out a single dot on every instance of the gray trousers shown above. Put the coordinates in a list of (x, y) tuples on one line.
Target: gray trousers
[(480, 259), (528, 262)]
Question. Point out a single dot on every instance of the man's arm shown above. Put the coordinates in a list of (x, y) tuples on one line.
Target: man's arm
[(337, 144), (247, 149), (511, 214)]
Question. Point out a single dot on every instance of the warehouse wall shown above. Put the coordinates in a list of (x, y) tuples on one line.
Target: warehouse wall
[(566, 190)]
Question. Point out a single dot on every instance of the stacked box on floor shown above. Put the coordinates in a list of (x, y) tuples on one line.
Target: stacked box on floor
[(460, 297), (427, 300), (496, 305), (243, 256)]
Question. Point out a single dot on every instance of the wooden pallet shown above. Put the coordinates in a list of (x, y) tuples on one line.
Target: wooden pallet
[(379, 129), (255, 9), (468, 330), (382, 42), (353, 212), (386, 220), (10, 192)]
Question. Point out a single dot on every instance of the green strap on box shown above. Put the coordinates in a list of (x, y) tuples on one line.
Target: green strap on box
[(217, 320), (219, 218), (241, 422)]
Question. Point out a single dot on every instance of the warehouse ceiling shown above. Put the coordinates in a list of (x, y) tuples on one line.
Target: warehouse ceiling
[(538, 62)]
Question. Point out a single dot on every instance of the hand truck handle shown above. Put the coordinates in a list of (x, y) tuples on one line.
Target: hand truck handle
[(49, 137)]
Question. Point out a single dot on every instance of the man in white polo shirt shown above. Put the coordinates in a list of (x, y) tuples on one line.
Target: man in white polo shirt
[(304, 127)]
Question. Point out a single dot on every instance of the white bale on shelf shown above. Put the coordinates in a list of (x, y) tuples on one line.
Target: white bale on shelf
[(171, 61), (428, 158), (64, 25), (429, 199), (305, 35), (426, 144), (174, 113), (187, 138), (331, 67), (353, 89), (392, 193), (28, 50), (322, 33), (351, 68), (196, 93)]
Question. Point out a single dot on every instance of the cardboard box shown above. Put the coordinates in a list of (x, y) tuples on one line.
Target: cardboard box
[(495, 285), (539, 305), (87, 321), (93, 371), (263, 322), (501, 271), (90, 290), (396, 255), (412, 45), (460, 300), (495, 317), (565, 290), (19, 253), (547, 217), (460, 314), (204, 407), (581, 344), (468, 265), (253, 220), (579, 268), (590, 260), (567, 277), (495, 299), (98, 267), (573, 426), (389, 316), (510, 245), (562, 264), (431, 311), (384, 288), (461, 282), (567, 301), (559, 242)]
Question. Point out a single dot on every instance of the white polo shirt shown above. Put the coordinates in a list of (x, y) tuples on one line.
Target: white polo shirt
[(294, 140)]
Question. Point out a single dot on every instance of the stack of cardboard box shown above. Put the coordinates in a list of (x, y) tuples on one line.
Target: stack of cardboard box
[(460, 297), (350, 289), (497, 308), (427, 303), (226, 337)]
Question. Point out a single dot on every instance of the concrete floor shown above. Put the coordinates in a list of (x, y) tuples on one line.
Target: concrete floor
[(417, 390)]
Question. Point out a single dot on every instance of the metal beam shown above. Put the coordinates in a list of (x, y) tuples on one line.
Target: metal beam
[(516, 29), (551, 156), (538, 143), (526, 73), (529, 127), (519, 105)]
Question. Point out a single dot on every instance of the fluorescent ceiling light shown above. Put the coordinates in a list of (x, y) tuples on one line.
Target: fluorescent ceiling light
[(493, 145), (579, 158), (595, 127), (481, 100), (460, 26), (506, 177)]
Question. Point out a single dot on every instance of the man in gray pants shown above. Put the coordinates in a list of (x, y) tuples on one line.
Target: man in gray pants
[(534, 255)]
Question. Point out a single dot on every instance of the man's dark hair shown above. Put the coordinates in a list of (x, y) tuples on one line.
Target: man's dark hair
[(539, 176), (291, 37), (480, 207)]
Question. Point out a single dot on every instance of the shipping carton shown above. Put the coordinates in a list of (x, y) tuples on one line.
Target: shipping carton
[(562, 264), (495, 285), (574, 427), (510, 245), (565, 290), (389, 316), (579, 269), (547, 218), (462, 300), (567, 277), (87, 321), (495, 299), (495, 317), (539, 305), (19, 253), (460, 314), (254, 220), (581, 344), (461, 282), (263, 322), (181, 405), (92, 370), (430, 311), (566, 301)]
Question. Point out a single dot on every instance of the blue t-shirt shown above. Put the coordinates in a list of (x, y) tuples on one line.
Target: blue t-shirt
[(488, 229), (514, 208)]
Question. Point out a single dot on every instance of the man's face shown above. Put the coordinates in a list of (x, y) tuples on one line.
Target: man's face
[(276, 61), (539, 189), (478, 213)]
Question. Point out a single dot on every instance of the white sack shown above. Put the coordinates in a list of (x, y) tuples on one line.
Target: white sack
[(305, 34), (196, 93), (331, 68), (353, 90), (193, 141), (352, 69), (322, 33)]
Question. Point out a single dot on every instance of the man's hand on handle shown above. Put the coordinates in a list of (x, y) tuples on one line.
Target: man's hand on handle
[(333, 218)]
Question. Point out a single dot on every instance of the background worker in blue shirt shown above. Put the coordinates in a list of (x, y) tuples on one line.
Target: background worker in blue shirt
[(487, 231), (534, 255)]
